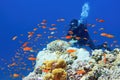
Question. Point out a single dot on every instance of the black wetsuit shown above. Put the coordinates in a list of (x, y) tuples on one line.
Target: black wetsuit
[(80, 30)]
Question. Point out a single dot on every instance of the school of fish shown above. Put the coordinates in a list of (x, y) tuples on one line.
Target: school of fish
[(41, 35)]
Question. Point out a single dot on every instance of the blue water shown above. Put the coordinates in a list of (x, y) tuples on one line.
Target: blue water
[(21, 16)]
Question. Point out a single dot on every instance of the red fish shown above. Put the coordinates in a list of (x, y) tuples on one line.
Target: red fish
[(27, 48), (43, 27), (100, 20), (70, 32), (30, 34), (52, 29), (68, 37), (53, 24), (107, 35), (71, 50), (15, 75), (25, 44), (32, 58)]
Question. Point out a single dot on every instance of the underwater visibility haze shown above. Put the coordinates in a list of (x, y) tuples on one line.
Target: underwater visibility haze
[(35, 32)]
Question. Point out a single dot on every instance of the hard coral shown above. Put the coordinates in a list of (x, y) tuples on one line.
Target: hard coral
[(49, 76), (58, 45), (59, 74), (56, 68), (48, 64), (61, 63), (52, 64)]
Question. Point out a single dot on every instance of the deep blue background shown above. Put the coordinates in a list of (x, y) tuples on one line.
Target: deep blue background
[(19, 17)]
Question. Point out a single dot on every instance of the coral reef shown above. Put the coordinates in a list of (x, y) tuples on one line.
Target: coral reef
[(60, 61), (58, 45)]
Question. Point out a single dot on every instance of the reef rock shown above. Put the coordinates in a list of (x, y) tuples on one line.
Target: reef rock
[(60, 61)]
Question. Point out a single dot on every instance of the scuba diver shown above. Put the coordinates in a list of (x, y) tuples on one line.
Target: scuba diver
[(78, 31)]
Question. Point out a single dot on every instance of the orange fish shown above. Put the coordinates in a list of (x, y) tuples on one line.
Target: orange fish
[(68, 37), (15, 75), (27, 48), (70, 32), (52, 29), (11, 65), (53, 24), (39, 35), (81, 72), (78, 38), (32, 58), (100, 20), (25, 44), (44, 22), (71, 50), (35, 29), (45, 70), (43, 27), (30, 34), (107, 35)]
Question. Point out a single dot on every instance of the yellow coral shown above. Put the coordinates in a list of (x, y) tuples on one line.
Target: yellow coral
[(60, 63), (52, 64), (48, 64), (59, 74), (56, 68), (49, 76)]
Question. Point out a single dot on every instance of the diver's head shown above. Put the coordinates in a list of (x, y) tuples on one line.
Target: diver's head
[(74, 22)]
